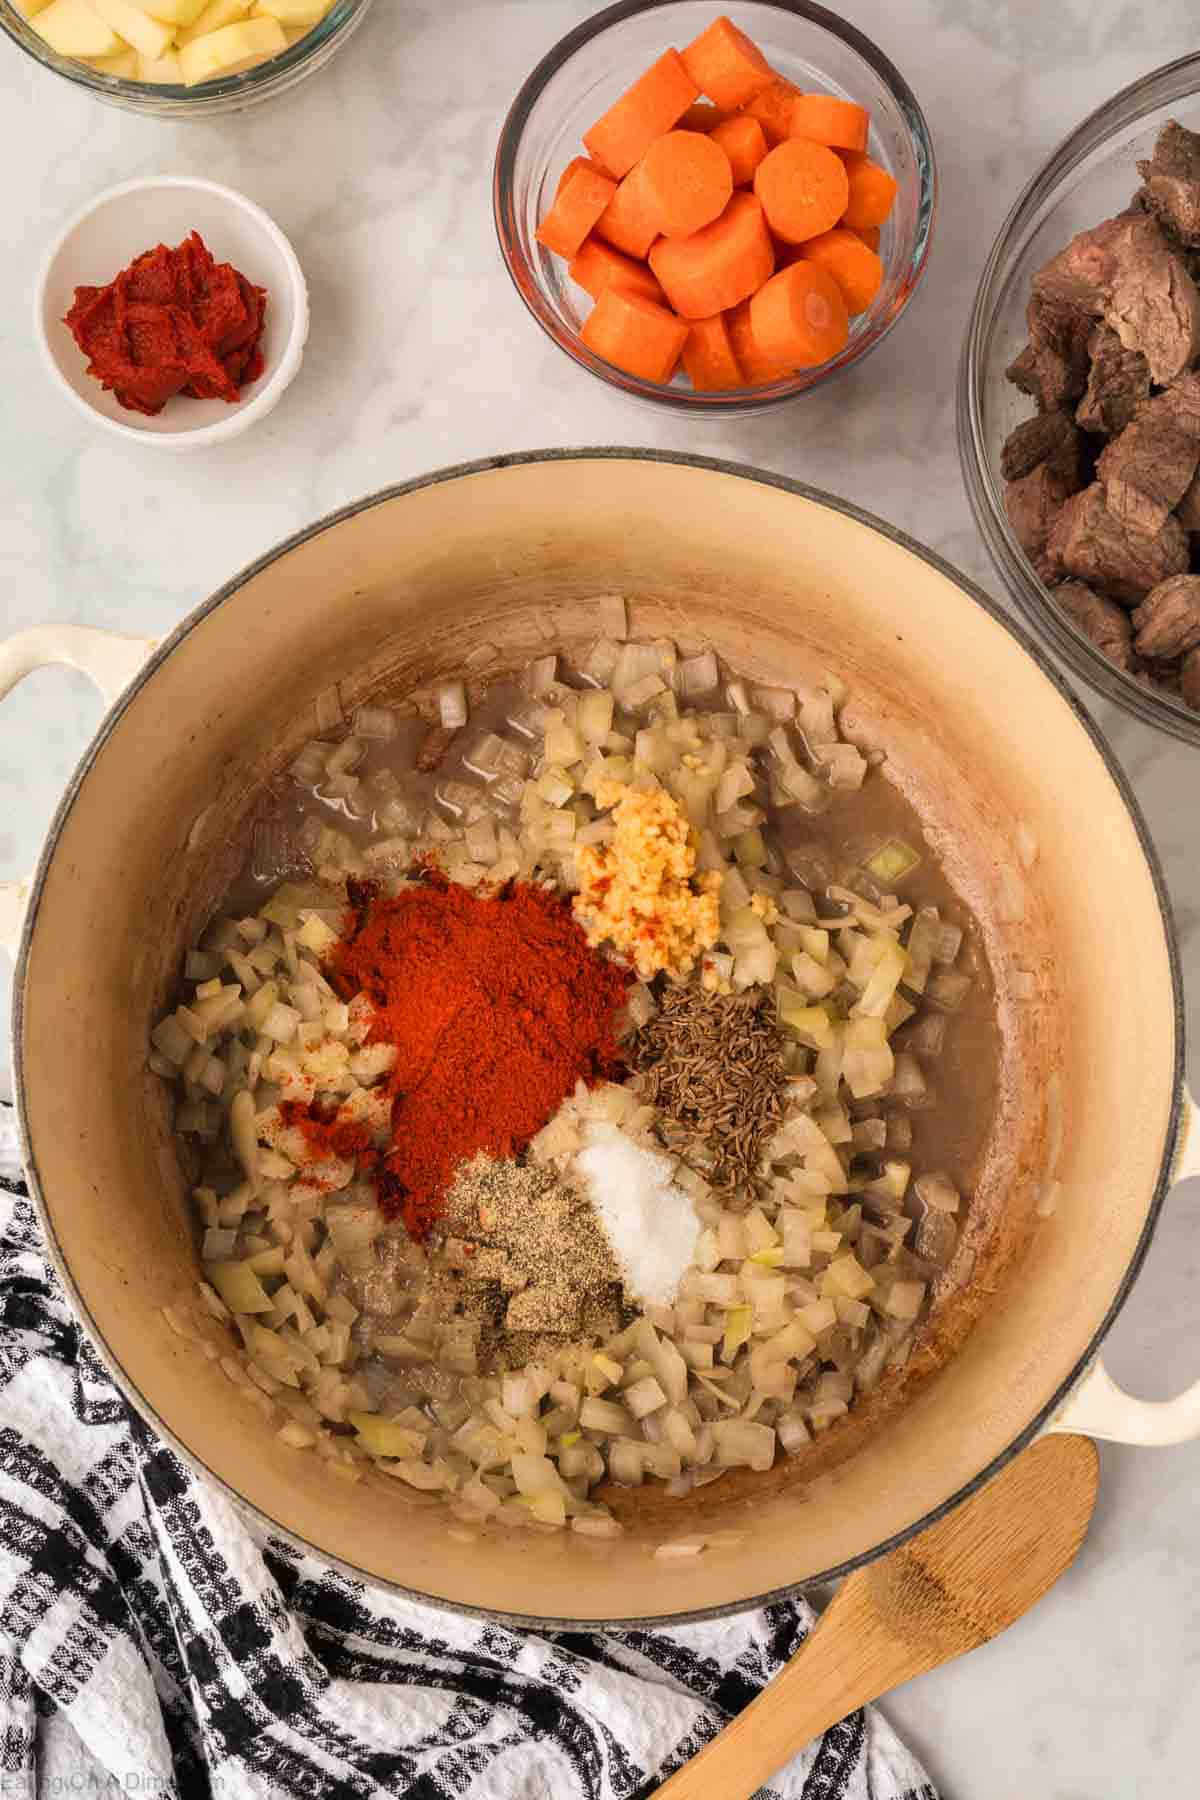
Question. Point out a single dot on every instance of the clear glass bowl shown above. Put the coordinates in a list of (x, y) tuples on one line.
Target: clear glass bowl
[(1089, 178), (233, 94), (585, 72)]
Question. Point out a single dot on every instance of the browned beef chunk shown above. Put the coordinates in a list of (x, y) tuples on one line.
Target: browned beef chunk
[(1148, 470), (1032, 503), (1188, 510), (1089, 541), (1167, 623), (1189, 679), (1046, 438), (1053, 367), (1101, 620), (1172, 178), (1126, 272), (1180, 403), (1118, 381)]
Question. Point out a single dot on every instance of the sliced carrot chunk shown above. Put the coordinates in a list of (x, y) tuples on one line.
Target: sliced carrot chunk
[(856, 268), (627, 222), (599, 266), (656, 101), (685, 180), (577, 209), (826, 119), (803, 188), (799, 317), (702, 115), (715, 268), (872, 191), (744, 143), (708, 356), (644, 339), (773, 109), (757, 368), (727, 65)]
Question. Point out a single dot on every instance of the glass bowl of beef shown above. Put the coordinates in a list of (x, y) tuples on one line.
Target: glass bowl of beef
[(1104, 580), (163, 98), (582, 76)]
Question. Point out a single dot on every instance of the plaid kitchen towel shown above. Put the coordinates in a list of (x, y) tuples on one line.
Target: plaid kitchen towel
[(153, 1642)]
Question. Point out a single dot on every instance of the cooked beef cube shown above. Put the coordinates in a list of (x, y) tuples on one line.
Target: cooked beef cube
[(1088, 540), (1172, 178), (1053, 367), (1167, 623), (1046, 438), (1148, 470), (1180, 403), (1189, 679), (1032, 503), (1188, 510), (1099, 619), (1118, 381), (1126, 272)]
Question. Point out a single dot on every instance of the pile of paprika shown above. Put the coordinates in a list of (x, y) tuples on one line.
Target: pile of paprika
[(496, 1006)]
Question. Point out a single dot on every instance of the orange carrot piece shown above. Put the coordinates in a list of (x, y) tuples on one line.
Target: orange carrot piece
[(686, 181), (573, 167), (744, 143), (626, 222), (757, 369), (856, 268), (715, 268), (868, 233), (825, 119), (598, 266), (635, 334), (773, 109), (702, 115), (726, 65), (872, 191), (575, 212), (656, 101), (803, 188), (708, 356), (799, 317)]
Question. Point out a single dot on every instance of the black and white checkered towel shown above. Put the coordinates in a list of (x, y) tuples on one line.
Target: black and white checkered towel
[(153, 1642)]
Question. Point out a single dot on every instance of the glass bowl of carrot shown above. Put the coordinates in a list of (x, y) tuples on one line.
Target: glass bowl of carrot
[(715, 213)]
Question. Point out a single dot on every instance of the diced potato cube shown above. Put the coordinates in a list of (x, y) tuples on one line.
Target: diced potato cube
[(228, 52), (176, 12), (149, 37), (74, 28), (292, 12), (161, 71), (124, 66), (213, 17)]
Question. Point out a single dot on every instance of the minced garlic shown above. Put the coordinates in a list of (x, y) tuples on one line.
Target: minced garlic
[(641, 893)]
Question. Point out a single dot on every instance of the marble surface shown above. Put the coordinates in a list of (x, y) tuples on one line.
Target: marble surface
[(421, 355)]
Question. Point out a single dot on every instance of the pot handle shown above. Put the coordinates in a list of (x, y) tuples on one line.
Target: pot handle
[(1098, 1407), (109, 660)]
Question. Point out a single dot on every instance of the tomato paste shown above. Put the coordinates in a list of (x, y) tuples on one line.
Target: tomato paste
[(174, 322)]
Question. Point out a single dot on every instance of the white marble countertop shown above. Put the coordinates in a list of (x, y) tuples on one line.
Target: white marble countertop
[(422, 355)]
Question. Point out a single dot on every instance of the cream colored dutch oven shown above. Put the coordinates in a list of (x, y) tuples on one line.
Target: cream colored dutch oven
[(1017, 791)]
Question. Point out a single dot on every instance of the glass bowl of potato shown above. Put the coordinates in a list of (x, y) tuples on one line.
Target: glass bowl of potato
[(177, 59)]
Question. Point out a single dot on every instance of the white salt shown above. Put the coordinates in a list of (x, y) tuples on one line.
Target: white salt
[(649, 1221)]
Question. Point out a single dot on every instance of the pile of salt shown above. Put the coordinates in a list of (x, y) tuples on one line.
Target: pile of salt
[(649, 1221)]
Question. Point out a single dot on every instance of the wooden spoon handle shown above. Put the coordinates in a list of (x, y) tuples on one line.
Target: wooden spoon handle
[(846, 1660)]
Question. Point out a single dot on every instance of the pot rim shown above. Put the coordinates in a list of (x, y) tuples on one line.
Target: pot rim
[(970, 591)]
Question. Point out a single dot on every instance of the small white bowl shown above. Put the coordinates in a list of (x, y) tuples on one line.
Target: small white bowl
[(105, 236)]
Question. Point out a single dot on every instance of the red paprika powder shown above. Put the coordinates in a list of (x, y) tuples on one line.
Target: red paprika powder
[(496, 1005)]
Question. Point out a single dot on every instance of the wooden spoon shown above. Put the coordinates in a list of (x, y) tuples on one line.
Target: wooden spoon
[(952, 1588)]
